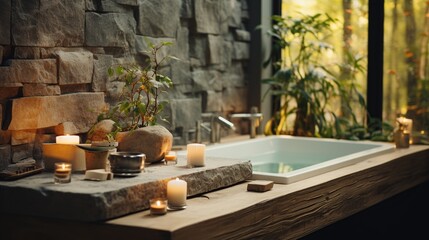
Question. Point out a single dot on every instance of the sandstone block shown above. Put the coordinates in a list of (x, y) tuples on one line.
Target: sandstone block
[(234, 100), (80, 108), (216, 49), (66, 128), (5, 137), (27, 53), (23, 136), (234, 13), (199, 52), (241, 51), (180, 49), (213, 103), (110, 30), (29, 71), (184, 112), (211, 16), (207, 80), (234, 76), (181, 73), (142, 46), (48, 23), (30, 90), (75, 67), (154, 141), (101, 76), (163, 22), (242, 35)]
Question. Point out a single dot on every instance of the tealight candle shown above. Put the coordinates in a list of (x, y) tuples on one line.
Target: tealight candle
[(170, 158), (158, 206), (62, 173), (176, 193), (68, 139), (196, 154)]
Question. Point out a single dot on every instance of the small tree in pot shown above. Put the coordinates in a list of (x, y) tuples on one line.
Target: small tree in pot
[(139, 107)]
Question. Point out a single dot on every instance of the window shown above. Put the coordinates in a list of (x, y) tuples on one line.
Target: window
[(396, 79)]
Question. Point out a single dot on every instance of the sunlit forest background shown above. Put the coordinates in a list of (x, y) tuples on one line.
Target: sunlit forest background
[(406, 39)]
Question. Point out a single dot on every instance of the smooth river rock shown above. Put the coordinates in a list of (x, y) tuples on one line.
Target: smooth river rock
[(154, 141)]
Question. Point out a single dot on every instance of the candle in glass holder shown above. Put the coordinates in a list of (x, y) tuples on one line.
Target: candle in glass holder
[(406, 126), (158, 206), (68, 139), (196, 154), (62, 173), (170, 158), (176, 193)]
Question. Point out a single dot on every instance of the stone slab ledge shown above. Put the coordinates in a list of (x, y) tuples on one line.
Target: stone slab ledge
[(84, 200)]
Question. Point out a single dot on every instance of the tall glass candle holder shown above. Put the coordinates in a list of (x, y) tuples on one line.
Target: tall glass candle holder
[(62, 173)]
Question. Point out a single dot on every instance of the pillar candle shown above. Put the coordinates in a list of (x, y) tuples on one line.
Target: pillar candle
[(68, 139), (176, 193), (196, 154)]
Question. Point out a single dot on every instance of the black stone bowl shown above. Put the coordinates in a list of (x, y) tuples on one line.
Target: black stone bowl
[(126, 163)]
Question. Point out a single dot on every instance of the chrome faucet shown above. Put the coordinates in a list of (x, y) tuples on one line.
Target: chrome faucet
[(255, 119), (216, 122)]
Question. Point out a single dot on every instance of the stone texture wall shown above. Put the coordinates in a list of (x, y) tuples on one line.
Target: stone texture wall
[(54, 57)]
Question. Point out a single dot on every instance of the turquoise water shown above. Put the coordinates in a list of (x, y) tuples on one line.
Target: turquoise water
[(278, 162), (273, 167)]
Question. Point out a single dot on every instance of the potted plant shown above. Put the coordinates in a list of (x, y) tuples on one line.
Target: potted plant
[(140, 105)]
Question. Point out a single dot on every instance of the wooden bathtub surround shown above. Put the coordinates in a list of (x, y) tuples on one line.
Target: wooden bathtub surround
[(284, 212)]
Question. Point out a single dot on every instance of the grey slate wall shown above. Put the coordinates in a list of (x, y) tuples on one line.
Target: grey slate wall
[(54, 57)]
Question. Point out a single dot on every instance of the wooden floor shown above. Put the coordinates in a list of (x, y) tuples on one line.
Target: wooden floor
[(404, 216)]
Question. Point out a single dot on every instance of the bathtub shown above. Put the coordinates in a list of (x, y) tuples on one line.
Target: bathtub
[(287, 159)]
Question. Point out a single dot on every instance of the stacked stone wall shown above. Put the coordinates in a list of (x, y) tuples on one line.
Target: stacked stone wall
[(54, 57)]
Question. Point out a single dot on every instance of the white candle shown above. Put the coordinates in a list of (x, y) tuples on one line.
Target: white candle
[(408, 124), (196, 154), (68, 139), (176, 193)]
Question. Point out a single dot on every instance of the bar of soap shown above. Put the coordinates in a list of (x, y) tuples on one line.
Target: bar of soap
[(260, 186), (98, 175)]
